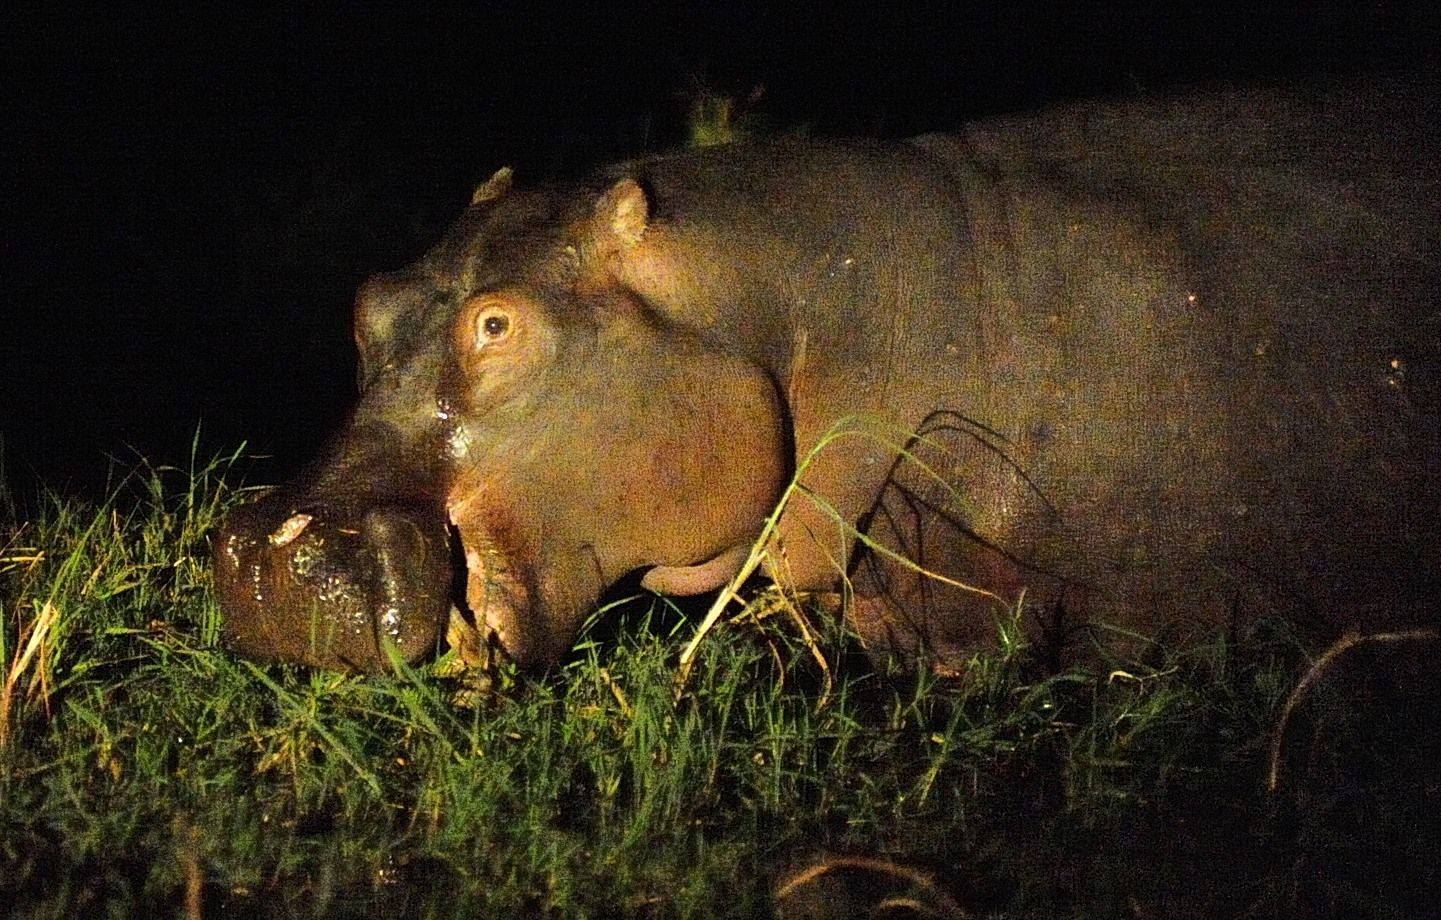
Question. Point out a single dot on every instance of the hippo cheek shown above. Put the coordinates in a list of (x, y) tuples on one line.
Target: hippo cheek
[(336, 591)]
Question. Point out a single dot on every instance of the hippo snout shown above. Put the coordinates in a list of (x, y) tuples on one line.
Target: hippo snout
[(332, 586)]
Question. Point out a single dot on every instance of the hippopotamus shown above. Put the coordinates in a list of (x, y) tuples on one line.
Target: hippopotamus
[(1132, 368)]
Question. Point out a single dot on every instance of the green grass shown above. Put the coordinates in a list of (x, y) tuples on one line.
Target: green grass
[(145, 771)]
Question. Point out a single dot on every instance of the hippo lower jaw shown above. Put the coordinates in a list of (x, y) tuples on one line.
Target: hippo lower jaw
[(333, 588)]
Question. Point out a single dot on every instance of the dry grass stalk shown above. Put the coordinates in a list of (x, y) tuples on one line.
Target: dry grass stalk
[(1318, 670), (188, 845), (34, 647), (924, 897)]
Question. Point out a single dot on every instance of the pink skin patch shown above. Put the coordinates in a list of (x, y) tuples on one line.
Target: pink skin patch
[(695, 579)]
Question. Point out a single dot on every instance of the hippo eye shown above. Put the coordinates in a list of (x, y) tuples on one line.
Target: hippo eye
[(492, 327)]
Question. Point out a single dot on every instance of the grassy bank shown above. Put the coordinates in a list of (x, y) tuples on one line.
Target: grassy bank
[(144, 770)]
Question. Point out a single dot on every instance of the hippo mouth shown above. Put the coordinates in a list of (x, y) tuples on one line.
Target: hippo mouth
[(355, 586)]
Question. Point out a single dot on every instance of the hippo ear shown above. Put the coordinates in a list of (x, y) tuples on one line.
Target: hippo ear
[(622, 213), (494, 187)]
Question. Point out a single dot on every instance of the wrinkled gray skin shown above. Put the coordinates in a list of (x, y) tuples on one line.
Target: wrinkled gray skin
[(1168, 364)]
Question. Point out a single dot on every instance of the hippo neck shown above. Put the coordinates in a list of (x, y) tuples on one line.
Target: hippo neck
[(830, 266)]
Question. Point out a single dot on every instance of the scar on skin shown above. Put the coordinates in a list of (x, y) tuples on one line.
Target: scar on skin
[(293, 527)]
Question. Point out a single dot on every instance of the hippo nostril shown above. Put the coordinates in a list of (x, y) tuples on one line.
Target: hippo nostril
[(391, 531)]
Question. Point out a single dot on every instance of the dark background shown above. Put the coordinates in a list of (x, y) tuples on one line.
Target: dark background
[(189, 199)]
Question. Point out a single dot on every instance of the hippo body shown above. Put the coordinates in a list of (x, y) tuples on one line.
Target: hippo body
[(1154, 365)]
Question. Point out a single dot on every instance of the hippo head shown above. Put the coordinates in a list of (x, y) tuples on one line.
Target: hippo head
[(531, 428)]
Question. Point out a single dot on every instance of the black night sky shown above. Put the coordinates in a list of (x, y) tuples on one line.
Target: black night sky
[(189, 199)]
